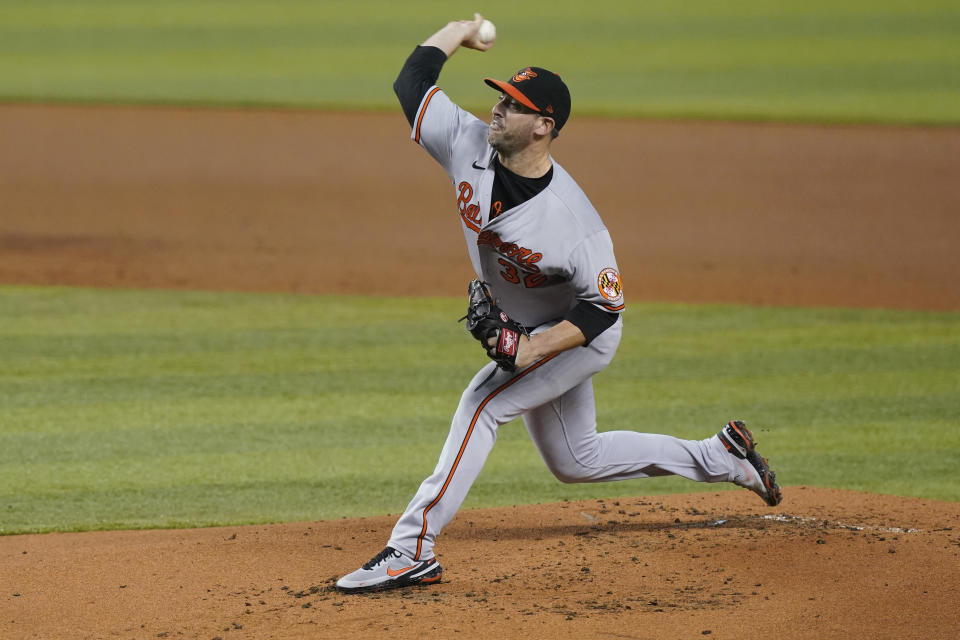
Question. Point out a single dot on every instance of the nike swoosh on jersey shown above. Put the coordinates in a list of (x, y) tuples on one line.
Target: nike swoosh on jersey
[(476, 166)]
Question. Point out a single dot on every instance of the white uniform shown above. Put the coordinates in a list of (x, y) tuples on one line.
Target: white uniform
[(541, 259)]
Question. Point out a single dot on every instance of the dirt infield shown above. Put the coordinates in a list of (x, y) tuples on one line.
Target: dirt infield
[(320, 203), (829, 564)]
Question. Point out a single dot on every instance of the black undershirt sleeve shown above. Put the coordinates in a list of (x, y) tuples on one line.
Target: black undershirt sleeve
[(419, 73), (590, 319)]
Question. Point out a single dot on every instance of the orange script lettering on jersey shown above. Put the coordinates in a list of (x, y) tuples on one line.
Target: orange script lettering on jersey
[(470, 212), (525, 258)]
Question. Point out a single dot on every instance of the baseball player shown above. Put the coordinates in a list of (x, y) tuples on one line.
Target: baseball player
[(537, 241)]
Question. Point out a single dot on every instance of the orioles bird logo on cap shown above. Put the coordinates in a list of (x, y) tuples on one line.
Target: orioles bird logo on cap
[(526, 74)]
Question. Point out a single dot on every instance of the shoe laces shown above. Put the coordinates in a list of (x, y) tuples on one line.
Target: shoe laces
[(388, 552)]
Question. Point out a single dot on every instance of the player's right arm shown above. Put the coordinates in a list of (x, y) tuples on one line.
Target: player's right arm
[(459, 33), (451, 135), (422, 68), (419, 73)]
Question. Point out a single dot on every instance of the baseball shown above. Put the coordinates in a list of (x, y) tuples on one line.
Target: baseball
[(487, 32)]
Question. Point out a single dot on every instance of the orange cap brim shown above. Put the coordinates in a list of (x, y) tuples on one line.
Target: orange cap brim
[(513, 92)]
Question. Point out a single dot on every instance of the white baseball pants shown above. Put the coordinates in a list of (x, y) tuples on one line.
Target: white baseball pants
[(555, 398)]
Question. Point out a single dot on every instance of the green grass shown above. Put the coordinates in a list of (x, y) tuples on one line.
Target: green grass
[(126, 409), (884, 60)]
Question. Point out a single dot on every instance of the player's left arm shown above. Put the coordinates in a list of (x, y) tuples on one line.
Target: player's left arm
[(583, 323), (557, 339), (599, 292)]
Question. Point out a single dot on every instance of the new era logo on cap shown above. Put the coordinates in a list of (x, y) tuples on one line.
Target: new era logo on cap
[(538, 89)]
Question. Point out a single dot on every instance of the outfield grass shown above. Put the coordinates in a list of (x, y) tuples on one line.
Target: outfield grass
[(883, 60), (126, 409)]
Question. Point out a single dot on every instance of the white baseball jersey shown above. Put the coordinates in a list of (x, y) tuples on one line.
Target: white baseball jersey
[(543, 256)]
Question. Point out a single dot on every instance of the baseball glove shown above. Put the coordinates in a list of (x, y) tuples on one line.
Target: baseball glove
[(485, 320)]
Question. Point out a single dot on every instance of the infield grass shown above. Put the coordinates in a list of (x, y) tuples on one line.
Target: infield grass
[(880, 61), (132, 409)]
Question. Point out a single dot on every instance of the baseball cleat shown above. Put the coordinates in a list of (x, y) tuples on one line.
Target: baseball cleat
[(390, 569), (757, 475)]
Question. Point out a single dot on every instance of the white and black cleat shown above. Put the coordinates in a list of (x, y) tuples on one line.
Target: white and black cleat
[(390, 569), (757, 474)]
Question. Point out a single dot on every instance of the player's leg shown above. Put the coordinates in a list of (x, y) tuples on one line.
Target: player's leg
[(487, 403), (484, 406), (464, 452), (564, 431)]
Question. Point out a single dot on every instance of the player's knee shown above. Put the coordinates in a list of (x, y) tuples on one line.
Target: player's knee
[(569, 472), (571, 467)]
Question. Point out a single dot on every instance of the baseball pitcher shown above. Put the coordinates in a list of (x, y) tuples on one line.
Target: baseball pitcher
[(545, 307)]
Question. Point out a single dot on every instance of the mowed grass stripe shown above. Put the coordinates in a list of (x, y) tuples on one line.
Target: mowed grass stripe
[(885, 61), (156, 408)]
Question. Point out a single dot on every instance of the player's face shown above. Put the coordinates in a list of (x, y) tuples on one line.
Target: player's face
[(511, 125)]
